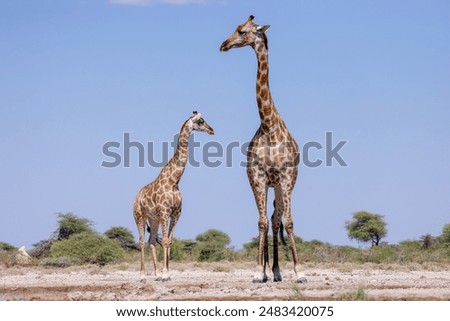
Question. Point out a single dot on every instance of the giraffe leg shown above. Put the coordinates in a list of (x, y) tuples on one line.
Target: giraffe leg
[(152, 242), (173, 221), (276, 220), (266, 264), (166, 250), (140, 224), (260, 193), (142, 246), (289, 225)]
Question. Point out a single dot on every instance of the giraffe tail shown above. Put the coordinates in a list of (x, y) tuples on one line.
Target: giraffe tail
[(283, 241), (158, 239)]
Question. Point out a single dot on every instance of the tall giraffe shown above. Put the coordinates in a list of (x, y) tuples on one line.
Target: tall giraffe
[(159, 203), (272, 157)]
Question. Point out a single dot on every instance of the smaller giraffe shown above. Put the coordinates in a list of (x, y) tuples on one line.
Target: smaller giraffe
[(159, 203)]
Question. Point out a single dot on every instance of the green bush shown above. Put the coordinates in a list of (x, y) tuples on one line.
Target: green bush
[(123, 236), (445, 238), (88, 248), (383, 254), (210, 252), (6, 247), (446, 234), (315, 251), (178, 250), (358, 295), (60, 262), (349, 254), (212, 246), (7, 254)]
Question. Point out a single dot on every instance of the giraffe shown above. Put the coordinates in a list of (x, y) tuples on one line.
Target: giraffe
[(159, 203), (272, 156)]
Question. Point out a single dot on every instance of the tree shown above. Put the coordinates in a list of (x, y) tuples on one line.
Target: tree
[(212, 245), (427, 241), (366, 227), (69, 224)]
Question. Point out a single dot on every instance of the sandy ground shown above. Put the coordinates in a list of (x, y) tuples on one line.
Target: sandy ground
[(216, 282)]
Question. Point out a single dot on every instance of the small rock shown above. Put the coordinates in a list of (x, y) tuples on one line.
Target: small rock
[(22, 257)]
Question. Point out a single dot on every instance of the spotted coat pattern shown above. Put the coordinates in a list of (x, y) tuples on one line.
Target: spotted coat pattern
[(158, 204), (272, 157)]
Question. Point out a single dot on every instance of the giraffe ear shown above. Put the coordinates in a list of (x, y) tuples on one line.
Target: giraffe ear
[(263, 28)]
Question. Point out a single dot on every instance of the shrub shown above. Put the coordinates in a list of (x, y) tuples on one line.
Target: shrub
[(445, 238), (349, 254), (446, 234), (212, 246), (41, 249), (60, 262), (358, 295), (6, 247), (213, 235), (88, 248), (177, 250), (383, 254), (7, 254), (316, 251), (123, 236)]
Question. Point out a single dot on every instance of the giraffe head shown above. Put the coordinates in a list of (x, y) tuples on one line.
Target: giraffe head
[(196, 122), (246, 34)]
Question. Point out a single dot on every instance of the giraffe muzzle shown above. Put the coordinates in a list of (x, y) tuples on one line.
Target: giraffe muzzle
[(224, 46)]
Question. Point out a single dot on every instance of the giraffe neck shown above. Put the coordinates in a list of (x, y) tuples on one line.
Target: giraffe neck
[(175, 167), (267, 111)]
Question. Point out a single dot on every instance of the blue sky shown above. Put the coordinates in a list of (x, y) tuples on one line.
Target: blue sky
[(77, 74)]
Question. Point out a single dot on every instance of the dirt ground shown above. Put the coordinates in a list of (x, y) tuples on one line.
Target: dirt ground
[(217, 282)]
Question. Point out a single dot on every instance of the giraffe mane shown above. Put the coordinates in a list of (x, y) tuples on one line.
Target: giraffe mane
[(266, 41)]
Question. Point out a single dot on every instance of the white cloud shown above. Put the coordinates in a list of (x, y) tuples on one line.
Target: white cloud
[(150, 2)]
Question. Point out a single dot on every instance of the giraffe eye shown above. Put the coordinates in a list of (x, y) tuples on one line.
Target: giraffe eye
[(201, 122), (241, 33)]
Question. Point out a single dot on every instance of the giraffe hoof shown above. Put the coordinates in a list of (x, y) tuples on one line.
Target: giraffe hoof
[(277, 275), (264, 279), (277, 278), (165, 276), (302, 280)]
